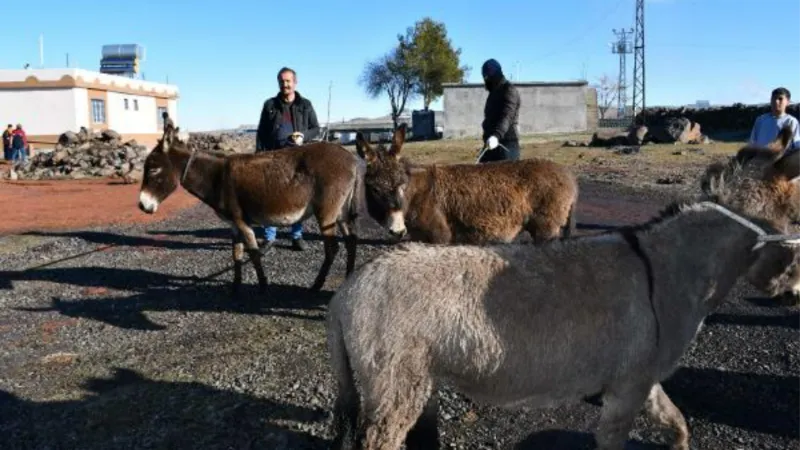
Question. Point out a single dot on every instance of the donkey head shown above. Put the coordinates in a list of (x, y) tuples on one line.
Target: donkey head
[(161, 177), (386, 180), (776, 270)]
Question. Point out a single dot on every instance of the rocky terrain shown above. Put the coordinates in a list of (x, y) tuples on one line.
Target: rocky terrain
[(228, 142), (84, 155), (125, 337)]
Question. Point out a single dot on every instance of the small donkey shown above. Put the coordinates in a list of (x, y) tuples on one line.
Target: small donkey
[(539, 325), (467, 203), (280, 187)]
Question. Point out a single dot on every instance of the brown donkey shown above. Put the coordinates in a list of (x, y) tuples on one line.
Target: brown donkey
[(280, 187), (467, 203)]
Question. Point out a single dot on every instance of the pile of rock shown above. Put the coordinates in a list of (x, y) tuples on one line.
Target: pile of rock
[(223, 142), (677, 130), (86, 155)]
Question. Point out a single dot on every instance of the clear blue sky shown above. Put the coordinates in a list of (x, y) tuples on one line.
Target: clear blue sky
[(224, 55)]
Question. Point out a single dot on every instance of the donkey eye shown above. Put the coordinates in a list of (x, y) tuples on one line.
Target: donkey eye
[(155, 171)]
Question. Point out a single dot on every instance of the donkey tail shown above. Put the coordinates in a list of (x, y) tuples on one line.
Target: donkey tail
[(345, 414)]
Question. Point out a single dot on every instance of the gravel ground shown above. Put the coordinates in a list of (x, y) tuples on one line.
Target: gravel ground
[(126, 337)]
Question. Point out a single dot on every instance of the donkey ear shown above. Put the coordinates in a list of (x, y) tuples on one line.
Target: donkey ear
[(783, 139), (364, 150), (398, 138), (789, 166), (168, 138)]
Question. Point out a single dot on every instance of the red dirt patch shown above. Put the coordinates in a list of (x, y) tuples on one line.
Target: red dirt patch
[(68, 204)]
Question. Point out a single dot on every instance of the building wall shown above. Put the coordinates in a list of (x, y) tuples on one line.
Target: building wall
[(546, 108), (45, 111), (49, 102), (139, 117)]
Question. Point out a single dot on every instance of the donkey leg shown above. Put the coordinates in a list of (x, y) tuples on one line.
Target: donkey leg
[(425, 433), (250, 242), (661, 409), (621, 405), (400, 404), (331, 249), (238, 256), (350, 239)]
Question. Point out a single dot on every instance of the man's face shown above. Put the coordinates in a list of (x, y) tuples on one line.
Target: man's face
[(779, 103), (286, 83)]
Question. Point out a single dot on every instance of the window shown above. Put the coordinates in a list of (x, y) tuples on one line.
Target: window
[(98, 110), (161, 111), (126, 103), (135, 104)]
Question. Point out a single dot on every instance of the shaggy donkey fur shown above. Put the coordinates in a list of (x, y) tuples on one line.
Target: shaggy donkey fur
[(281, 187), (763, 182), (538, 325), (467, 203)]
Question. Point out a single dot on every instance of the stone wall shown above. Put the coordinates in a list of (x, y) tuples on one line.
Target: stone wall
[(737, 117)]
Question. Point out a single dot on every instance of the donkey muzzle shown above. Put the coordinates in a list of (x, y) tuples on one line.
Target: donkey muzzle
[(396, 223), (147, 203)]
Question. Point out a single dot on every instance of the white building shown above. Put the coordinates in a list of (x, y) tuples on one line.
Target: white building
[(48, 102)]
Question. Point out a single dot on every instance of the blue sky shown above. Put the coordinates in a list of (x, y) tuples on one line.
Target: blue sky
[(224, 56)]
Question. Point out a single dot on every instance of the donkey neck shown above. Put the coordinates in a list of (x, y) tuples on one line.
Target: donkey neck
[(421, 185), (198, 173), (709, 247)]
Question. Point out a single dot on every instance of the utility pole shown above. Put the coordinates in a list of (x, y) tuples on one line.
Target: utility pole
[(638, 63), (622, 47)]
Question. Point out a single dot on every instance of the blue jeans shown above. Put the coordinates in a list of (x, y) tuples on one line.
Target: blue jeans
[(297, 231), (19, 154)]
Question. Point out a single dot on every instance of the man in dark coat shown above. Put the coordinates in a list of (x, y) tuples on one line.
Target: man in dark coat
[(287, 120), (501, 115)]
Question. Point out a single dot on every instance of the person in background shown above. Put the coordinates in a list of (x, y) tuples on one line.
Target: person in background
[(19, 145), (501, 115), (167, 120), (287, 119), (768, 125), (7, 142)]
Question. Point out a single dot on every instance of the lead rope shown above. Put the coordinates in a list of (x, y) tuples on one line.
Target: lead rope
[(188, 163), (763, 237), (486, 149)]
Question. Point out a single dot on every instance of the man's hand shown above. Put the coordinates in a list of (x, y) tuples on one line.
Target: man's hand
[(297, 138), (492, 142)]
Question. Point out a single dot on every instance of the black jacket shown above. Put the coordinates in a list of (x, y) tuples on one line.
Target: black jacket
[(304, 120), (501, 113)]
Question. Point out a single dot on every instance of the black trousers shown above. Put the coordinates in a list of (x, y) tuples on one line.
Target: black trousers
[(510, 152)]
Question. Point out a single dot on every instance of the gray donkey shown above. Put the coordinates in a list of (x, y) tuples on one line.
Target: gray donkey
[(509, 325)]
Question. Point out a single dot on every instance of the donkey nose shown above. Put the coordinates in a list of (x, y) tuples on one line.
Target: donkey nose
[(398, 233)]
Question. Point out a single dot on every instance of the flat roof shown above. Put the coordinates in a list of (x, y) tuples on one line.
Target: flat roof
[(81, 78), (521, 84)]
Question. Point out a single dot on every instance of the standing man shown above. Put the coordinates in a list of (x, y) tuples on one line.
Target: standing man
[(287, 120), (7, 142), (501, 115)]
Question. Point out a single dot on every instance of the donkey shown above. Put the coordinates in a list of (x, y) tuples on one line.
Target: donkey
[(280, 187), (467, 203), (508, 325), (763, 182)]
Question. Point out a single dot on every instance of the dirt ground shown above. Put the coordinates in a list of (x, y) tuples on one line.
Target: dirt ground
[(117, 330), (32, 205)]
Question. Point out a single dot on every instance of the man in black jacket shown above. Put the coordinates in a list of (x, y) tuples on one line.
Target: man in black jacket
[(287, 120), (501, 115)]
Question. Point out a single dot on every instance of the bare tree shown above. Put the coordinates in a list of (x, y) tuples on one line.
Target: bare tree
[(607, 91), (392, 75)]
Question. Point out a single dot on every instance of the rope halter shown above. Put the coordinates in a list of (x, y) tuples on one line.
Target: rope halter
[(763, 236)]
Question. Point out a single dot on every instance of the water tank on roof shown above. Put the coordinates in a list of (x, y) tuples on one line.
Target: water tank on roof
[(123, 51)]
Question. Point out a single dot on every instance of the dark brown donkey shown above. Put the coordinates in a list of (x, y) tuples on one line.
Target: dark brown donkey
[(467, 203), (277, 188)]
